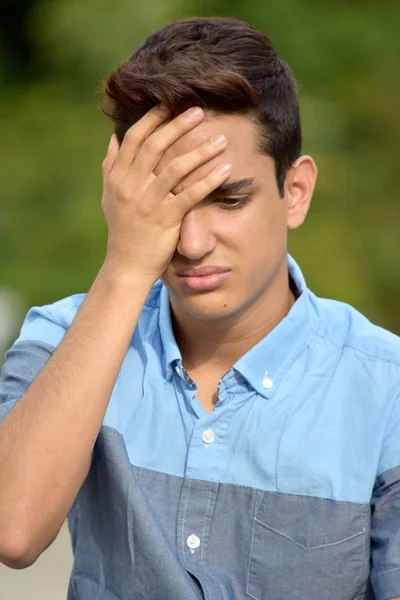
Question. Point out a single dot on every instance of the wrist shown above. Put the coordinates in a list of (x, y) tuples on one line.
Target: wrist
[(116, 277)]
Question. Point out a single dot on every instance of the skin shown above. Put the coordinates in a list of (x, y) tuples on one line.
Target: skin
[(215, 328)]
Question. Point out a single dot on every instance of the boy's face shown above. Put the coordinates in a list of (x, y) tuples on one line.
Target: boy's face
[(249, 241)]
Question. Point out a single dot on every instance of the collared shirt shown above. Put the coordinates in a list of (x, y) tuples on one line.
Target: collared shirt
[(289, 489)]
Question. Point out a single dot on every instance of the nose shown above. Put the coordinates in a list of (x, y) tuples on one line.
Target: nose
[(196, 239)]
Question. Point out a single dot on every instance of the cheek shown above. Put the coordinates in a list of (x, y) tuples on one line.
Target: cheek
[(262, 235), (267, 218)]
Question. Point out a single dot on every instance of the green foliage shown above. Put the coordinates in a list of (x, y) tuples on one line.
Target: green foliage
[(345, 57)]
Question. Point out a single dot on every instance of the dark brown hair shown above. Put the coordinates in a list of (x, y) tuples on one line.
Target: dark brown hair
[(220, 64)]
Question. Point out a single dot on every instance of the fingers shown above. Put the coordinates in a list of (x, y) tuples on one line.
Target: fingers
[(197, 192), (110, 158), (181, 166), (136, 135), (156, 144)]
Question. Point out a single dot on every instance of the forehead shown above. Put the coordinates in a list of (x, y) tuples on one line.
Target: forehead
[(241, 151)]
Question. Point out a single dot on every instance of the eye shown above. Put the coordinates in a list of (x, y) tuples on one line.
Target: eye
[(232, 203)]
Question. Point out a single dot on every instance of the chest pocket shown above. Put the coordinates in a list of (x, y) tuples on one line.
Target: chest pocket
[(307, 548)]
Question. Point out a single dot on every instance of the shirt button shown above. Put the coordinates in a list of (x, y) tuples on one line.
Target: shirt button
[(177, 369), (267, 383), (208, 436), (193, 541)]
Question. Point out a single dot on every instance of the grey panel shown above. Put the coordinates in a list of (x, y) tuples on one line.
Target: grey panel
[(130, 527), (385, 534), (123, 548), (304, 547)]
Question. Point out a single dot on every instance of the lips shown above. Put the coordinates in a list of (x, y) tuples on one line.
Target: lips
[(201, 271), (204, 279)]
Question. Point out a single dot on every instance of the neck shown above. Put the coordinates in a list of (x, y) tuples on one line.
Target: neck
[(219, 343)]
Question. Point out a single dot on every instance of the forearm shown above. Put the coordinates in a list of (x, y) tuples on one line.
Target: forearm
[(47, 439)]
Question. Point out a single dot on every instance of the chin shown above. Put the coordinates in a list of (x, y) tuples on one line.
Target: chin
[(208, 309)]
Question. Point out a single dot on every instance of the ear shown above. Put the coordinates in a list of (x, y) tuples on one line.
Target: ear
[(299, 187)]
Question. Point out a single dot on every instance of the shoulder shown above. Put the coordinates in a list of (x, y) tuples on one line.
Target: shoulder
[(49, 322), (346, 328)]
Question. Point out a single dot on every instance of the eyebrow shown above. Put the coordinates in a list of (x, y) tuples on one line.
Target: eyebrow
[(233, 187)]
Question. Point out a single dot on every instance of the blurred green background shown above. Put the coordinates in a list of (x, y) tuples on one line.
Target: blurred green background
[(345, 55)]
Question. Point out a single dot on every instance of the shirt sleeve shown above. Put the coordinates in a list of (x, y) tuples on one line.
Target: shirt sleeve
[(39, 336), (385, 507)]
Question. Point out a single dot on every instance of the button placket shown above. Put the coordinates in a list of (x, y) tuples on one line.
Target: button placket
[(195, 511), (194, 521)]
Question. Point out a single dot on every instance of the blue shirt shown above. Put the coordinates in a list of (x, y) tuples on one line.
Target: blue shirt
[(289, 489)]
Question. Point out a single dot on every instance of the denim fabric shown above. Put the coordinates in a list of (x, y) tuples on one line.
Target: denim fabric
[(385, 538), (324, 543), (253, 543), (289, 489)]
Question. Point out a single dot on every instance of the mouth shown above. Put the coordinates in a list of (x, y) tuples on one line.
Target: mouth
[(202, 283)]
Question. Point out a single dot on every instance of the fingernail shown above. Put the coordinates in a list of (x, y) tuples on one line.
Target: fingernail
[(217, 140), (224, 169), (194, 113)]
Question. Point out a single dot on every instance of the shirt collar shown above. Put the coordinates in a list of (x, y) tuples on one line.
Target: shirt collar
[(171, 354), (264, 365)]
